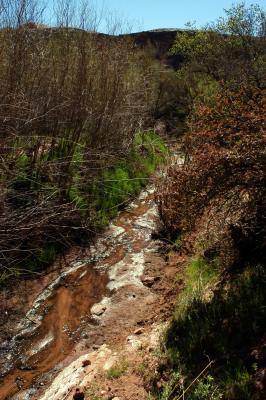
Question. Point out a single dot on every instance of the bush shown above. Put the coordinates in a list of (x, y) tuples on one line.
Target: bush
[(118, 184), (223, 186), (86, 205), (223, 327)]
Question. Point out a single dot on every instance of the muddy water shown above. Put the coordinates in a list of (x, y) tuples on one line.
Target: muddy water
[(57, 318), (62, 315)]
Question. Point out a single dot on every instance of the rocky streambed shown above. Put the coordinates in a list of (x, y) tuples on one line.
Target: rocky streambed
[(98, 308)]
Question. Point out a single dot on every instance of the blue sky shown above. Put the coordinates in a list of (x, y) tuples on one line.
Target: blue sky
[(152, 14), (172, 13)]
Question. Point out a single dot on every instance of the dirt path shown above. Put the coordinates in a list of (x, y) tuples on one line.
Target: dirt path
[(103, 313)]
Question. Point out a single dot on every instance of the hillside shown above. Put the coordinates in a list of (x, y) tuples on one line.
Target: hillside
[(160, 41)]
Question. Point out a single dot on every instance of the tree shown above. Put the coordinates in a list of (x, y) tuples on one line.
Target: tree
[(221, 188), (231, 49)]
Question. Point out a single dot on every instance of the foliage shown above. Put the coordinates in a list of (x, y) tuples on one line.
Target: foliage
[(174, 382), (217, 201), (118, 184), (205, 390), (200, 278), (176, 387), (117, 370), (227, 146), (88, 204), (232, 48), (71, 103), (241, 20), (238, 383), (222, 329)]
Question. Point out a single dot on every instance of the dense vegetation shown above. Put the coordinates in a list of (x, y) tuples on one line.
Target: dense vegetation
[(215, 205), (73, 147), (74, 108)]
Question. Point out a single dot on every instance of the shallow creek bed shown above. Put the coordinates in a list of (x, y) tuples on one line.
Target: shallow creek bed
[(99, 307)]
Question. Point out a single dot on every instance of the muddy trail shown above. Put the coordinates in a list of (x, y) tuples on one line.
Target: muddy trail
[(98, 307)]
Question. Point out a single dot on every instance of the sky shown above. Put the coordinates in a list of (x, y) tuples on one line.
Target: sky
[(154, 14)]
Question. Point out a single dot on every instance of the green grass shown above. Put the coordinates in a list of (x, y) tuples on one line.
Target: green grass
[(75, 194), (117, 370), (120, 183), (205, 389), (237, 383), (95, 201), (178, 387), (200, 277), (223, 327)]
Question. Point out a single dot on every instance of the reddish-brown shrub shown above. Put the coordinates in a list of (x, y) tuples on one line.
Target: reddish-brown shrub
[(226, 174)]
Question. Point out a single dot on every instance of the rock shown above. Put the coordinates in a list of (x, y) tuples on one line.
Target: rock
[(135, 344), (95, 346), (139, 331), (115, 398), (98, 309), (85, 363), (150, 280)]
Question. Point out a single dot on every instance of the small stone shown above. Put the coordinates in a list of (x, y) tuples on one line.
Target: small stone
[(150, 280), (85, 363), (98, 309), (135, 344), (95, 347), (116, 398)]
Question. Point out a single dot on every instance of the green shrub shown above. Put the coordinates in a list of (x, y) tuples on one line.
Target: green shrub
[(201, 389), (172, 386), (223, 327), (117, 370), (205, 389), (42, 256), (93, 201), (237, 384), (119, 183), (200, 276)]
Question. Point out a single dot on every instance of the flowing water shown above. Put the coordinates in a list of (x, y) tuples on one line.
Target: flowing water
[(62, 316)]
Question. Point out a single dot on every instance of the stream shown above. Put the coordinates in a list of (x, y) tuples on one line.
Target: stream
[(91, 302)]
